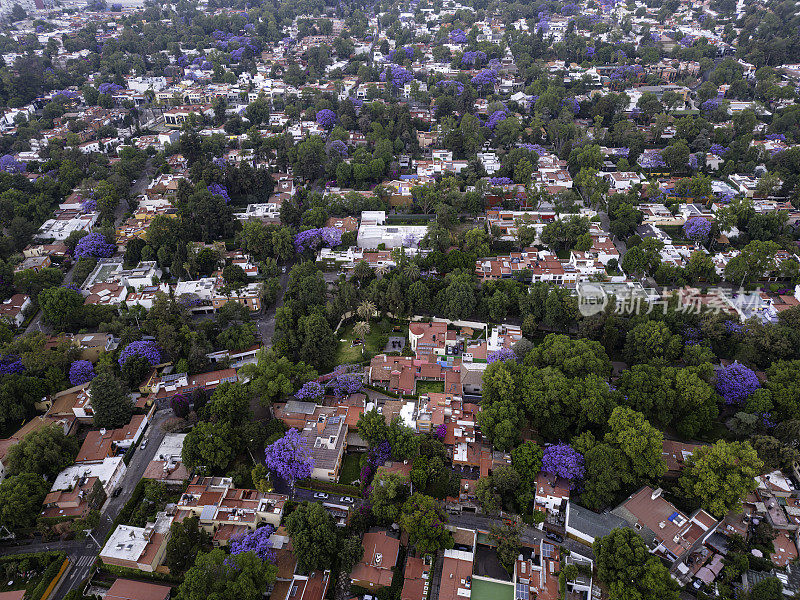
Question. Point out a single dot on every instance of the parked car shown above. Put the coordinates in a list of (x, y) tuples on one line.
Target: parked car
[(321, 495), (143, 445), (116, 492), (347, 499), (555, 537)]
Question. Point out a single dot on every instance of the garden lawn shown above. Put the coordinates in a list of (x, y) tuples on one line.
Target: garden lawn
[(351, 468)]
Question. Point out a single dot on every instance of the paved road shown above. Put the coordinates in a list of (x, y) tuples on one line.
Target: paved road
[(301, 494), (138, 187), (266, 321), (82, 553)]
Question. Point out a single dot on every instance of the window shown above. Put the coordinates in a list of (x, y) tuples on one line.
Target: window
[(522, 591)]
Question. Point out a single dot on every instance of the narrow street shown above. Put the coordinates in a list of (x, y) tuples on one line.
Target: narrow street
[(138, 187), (82, 553)]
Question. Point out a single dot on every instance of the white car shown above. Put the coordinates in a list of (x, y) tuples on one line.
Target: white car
[(346, 499), (321, 495), (143, 445)]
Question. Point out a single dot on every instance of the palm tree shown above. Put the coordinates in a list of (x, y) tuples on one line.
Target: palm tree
[(365, 310), (412, 271), (361, 329)]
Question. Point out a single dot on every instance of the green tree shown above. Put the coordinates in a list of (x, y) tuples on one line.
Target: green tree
[(217, 575), (21, 498), (275, 377), (423, 519), (46, 451), (506, 538), (111, 403), (721, 475), (389, 493), (751, 263), (313, 534), (186, 540), (649, 340), (212, 445), (574, 358), (628, 569)]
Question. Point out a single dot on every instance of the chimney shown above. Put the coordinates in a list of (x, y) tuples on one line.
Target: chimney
[(656, 493)]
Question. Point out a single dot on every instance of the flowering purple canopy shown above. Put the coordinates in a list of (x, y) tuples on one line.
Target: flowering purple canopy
[(487, 77), (94, 245), (89, 205), (450, 84), (258, 541), (289, 457), (778, 137), (180, 405), (329, 237), (697, 229), (9, 164), (81, 371), (501, 355), (590, 51), (709, 105), (500, 181), (109, 88), (311, 390), (476, 58), (336, 148), (651, 159), (395, 75), (147, 349), (496, 117), (564, 461), (219, 190), (326, 118), (736, 382), (457, 36), (441, 431), (11, 363), (345, 384), (719, 149), (401, 54)]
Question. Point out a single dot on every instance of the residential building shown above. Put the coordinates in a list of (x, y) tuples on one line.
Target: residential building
[(141, 548), (376, 569)]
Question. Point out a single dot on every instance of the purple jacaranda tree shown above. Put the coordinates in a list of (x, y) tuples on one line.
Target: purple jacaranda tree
[(11, 363), (498, 181), (81, 371), (180, 406), (736, 382), (345, 384), (697, 229), (441, 431), (652, 159), (496, 117), (396, 76), (502, 355), (485, 78), (9, 164), (564, 461), (718, 149), (147, 349), (289, 457), (326, 118), (336, 148), (258, 542), (94, 245), (457, 36), (311, 390), (219, 190), (329, 237)]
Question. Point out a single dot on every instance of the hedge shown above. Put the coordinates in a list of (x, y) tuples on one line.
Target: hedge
[(137, 574), (47, 577)]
